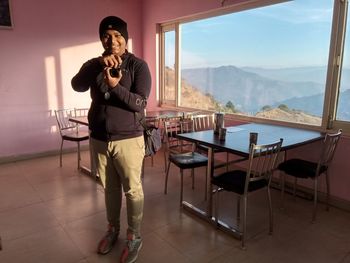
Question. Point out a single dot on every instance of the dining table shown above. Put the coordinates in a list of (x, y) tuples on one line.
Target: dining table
[(83, 120), (237, 142)]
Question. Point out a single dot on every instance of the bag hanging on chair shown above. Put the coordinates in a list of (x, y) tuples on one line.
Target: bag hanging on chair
[(153, 140), (152, 137)]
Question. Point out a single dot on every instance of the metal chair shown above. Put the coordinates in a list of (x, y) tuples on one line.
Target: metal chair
[(181, 153), (69, 131), (242, 182), (205, 121), (299, 168)]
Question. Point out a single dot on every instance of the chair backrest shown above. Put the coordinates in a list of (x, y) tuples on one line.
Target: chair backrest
[(330, 143), (262, 162), (81, 112), (203, 121), (62, 117), (171, 129)]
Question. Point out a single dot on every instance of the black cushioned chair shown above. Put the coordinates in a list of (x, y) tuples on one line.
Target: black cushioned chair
[(303, 169), (181, 153), (242, 182)]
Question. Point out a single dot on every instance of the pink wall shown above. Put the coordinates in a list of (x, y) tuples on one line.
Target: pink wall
[(46, 47), (49, 42)]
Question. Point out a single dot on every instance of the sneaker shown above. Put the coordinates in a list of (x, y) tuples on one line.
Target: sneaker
[(106, 243), (131, 251)]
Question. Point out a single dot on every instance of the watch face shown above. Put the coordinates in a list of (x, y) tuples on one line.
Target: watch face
[(107, 95)]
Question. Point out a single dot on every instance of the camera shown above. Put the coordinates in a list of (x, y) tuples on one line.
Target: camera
[(115, 72)]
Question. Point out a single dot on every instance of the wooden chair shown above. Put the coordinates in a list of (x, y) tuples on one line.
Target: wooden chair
[(242, 182), (69, 131), (181, 153), (303, 169)]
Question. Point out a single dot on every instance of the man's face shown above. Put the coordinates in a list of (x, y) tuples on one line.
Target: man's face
[(113, 42)]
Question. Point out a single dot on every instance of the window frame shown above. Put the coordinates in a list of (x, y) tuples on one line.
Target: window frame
[(334, 67)]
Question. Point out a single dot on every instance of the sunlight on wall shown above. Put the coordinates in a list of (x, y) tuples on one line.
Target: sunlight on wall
[(129, 47), (59, 89), (72, 58), (50, 73)]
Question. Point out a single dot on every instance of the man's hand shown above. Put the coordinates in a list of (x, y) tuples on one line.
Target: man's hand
[(112, 82), (109, 62)]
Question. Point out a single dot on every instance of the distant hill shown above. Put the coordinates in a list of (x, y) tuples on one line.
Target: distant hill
[(309, 104), (257, 95), (301, 74), (343, 105), (248, 91), (289, 115)]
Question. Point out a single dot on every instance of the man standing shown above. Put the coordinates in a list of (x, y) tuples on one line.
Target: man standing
[(119, 84)]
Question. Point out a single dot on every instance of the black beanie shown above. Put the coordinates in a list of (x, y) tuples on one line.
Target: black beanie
[(115, 23)]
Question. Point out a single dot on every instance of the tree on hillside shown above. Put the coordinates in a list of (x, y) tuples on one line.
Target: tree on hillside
[(283, 107), (266, 108), (230, 107)]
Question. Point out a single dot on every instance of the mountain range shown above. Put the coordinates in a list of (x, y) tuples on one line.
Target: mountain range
[(250, 89)]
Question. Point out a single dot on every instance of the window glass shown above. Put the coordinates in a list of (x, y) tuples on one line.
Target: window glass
[(169, 76), (268, 62), (343, 111)]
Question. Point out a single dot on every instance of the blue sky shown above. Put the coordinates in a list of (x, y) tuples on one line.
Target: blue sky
[(272, 37)]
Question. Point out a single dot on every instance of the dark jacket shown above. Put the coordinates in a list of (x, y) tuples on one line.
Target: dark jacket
[(114, 118)]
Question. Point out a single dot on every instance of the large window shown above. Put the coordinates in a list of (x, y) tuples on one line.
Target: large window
[(270, 62)]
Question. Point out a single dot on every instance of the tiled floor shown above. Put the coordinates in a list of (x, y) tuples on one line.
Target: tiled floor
[(52, 214)]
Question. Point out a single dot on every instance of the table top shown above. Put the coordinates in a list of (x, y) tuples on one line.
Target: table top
[(237, 137)]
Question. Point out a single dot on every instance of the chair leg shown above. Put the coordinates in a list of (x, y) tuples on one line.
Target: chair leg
[(79, 155), (282, 189), (206, 186), (165, 161), (61, 153), (328, 191), (295, 187), (192, 175), (166, 178), (216, 211), (182, 186), (270, 210), (244, 221), (238, 211), (315, 201)]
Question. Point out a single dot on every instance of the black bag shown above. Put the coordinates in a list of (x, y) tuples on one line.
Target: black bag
[(153, 140), (152, 137)]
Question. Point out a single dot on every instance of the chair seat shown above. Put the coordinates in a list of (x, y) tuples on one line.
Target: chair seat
[(188, 160), (234, 181), (76, 136), (300, 168)]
